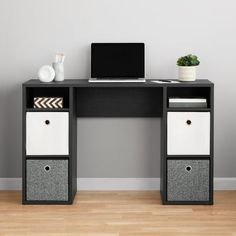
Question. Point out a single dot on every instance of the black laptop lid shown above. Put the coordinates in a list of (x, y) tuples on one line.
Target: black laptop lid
[(117, 60)]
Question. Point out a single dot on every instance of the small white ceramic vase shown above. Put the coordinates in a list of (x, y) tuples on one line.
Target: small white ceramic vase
[(59, 71), (187, 73)]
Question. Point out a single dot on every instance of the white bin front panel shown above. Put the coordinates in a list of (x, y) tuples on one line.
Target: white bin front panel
[(47, 139), (188, 139)]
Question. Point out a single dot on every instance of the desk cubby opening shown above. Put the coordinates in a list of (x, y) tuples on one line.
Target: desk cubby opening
[(56, 92), (190, 92), (119, 102)]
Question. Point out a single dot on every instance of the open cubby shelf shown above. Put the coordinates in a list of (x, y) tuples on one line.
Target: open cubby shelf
[(47, 92), (190, 92)]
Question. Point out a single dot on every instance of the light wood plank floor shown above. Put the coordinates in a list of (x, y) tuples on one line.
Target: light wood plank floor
[(119, 213)]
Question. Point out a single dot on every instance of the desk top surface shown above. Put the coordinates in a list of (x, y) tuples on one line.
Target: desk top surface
[(85, 83)]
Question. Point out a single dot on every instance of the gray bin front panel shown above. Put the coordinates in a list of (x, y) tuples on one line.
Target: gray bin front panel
[(183, 185), (47, 185)]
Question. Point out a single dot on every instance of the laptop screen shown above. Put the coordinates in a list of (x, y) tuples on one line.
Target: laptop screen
[(117, 60)]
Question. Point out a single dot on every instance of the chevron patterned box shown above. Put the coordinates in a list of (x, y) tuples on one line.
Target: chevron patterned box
[(48, 102)]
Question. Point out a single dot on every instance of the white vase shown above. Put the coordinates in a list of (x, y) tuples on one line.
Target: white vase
[(59, 71), (187, 73)]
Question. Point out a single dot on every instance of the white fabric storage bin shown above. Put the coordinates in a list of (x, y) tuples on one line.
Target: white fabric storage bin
[(188, 133), (47, 133)]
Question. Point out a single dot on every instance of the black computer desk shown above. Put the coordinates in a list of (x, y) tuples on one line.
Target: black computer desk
[(149, 99)]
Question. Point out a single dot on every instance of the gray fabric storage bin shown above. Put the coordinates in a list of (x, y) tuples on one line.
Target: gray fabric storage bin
[(188, 180), (47, 180)]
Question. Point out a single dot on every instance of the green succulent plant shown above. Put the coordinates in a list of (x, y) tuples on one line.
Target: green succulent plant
[(188, 60)]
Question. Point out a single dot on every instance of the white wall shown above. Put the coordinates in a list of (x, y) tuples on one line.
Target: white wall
[(31, 31)]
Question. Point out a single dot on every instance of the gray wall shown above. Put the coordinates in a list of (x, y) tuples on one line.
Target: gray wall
[(32, 31)]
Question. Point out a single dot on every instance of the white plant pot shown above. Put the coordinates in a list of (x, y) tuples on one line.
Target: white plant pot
[(187, 73)]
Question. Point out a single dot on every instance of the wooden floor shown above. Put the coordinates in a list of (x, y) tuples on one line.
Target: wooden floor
[(120, 213)]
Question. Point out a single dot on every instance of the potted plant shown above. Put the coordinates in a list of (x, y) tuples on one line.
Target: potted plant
[(187, 67)]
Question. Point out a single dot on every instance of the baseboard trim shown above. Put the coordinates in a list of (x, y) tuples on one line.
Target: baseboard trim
[(110, 184), (10, 183), (118, 183), (225, 183)]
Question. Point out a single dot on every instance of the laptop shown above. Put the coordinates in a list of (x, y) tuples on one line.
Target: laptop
[(117, 62)]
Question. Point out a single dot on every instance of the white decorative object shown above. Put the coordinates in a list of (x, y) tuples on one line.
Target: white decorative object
[(46, 74), (188, 133), (187, 73), (59, 71), (59, 67), (47, 133)]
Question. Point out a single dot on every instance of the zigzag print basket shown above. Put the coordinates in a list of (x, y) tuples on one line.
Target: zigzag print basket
[(48, 102)]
